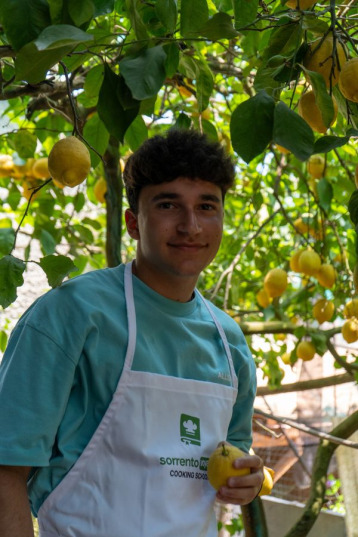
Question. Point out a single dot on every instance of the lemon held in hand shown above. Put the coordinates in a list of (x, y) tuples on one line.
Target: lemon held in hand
[(220, 465), (69, 161)]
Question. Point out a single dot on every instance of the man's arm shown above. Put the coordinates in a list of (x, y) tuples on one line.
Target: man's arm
[(15, 514)]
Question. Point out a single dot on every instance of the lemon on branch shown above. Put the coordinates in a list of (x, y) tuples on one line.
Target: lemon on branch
[(275, 282), (350, 330), (311, 113), (323, 310), (326, 275), (315, 166), (263, 298), (100, 189), (220, 465), (300, 4), (294, 261), (319, 58), (69, 161), (305, 350), (351, 309), (348, 80), (309, 262), (40, 168)]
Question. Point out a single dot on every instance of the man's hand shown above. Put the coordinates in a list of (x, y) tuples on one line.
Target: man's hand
[(15, 515), (241, 490)]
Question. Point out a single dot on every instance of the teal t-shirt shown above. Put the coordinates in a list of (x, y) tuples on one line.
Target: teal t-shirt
[(66, 354)]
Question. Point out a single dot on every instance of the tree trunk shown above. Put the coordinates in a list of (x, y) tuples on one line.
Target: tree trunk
[(253, 517), (112, 172), (319, 476)]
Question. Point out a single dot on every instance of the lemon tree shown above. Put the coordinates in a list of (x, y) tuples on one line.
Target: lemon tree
[(109, 74)]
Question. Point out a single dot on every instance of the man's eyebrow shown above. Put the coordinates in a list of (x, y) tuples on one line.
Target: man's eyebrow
[(173, 195)]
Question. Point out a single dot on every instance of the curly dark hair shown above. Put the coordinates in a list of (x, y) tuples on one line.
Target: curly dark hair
[(180, 153)]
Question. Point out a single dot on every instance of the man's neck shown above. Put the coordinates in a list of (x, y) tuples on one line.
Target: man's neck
[(175, 288)]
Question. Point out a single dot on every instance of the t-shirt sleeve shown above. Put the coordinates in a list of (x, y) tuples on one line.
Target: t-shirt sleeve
[(240, 428), (36, 377)]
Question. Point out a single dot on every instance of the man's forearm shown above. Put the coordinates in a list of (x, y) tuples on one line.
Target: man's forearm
[(15, 514)]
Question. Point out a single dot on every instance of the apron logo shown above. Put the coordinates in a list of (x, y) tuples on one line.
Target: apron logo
[(190, 429)]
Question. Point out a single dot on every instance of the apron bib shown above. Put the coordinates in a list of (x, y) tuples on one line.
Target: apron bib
[(143, 473)]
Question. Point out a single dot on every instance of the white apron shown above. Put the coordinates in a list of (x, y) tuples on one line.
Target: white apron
[(143, 473)]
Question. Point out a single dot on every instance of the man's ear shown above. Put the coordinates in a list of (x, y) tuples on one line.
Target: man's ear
[(132, 224)]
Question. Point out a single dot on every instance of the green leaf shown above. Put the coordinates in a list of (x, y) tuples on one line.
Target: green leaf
[(56, 268), (311, 22), (182, 122), (11, 271), (23, 20), (284, 39), (56, 9), (193, 17), (292, 132), (60, 35), (103, 7), (210, 130), (110, 109), (32, 65), (167, 13), (136, 133), (92, 85), (48, 243), (3, 340), (219, 27), (137, 23), (97, 136), (325, 193), (251, 126), (172, 59), (353, 207), (7, 237), (327, 143), (24, 143), (204, 84), (245, 12), (144, 74), (81, 11)]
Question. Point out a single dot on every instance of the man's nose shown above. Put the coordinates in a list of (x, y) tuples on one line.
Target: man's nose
[(189, 222)]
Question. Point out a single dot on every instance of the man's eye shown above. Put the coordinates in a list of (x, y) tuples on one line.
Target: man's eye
[(208, 207), (165, 205)]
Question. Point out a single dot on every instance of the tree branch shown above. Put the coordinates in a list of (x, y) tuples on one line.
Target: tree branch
[(304, 385)]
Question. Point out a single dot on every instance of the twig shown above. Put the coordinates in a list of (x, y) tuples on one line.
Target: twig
[(309, 430)]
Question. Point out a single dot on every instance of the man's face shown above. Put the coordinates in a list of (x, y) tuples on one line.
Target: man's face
[(178, 228)]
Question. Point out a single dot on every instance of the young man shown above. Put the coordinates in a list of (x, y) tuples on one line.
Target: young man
[(117, 386)]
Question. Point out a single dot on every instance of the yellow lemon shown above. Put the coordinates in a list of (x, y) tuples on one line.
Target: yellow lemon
[(21, 170), (69, 161), (6, 166), (326, 275), (315, 166), (309, 111), (309, 262), (305, 350), (351, 309), (275, 282), (319, 59), (100, 189), (350, 330), (286, 358), (263, 298), (267, 484), (40, 168), (294, 260), (348, 80), (323, 310), (220, 465), (300, 225)]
